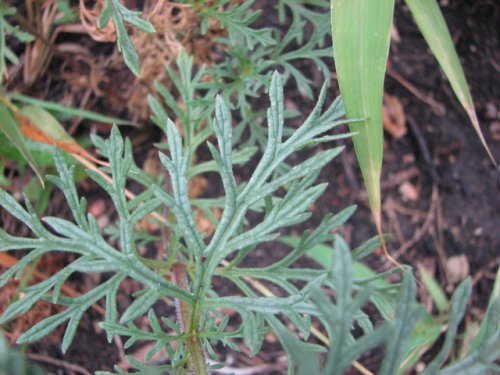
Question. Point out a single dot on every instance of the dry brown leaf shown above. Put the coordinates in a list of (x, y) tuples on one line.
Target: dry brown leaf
[(394, 117), (89, 18), (38, 54)]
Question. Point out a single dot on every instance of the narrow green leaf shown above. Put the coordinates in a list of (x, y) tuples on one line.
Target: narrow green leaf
[(267, 305), (343, 279), (407, 314), (425, 333), (296, 349), (10, 128), (437, 294), (482, 359), (127, 48), (44, 327), (433, 27), (56, 107), (33, 294), (106, 14), (69, 334), (494, 300), (111, 306), (120, 14), (361, 37), (140, 305), (275, 112), (458, 306)]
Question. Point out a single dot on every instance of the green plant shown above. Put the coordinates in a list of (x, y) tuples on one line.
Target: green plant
[(198, 299), (115, 11), (194, 261), (250, 57), (336, 293), (409, 330)]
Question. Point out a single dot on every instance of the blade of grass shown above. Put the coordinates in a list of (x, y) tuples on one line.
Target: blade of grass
[(51, 106), (10, 128), (437, 294), (361, 38), (39, 125), (433, 27)]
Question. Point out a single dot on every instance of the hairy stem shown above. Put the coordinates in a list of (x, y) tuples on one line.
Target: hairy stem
[(197, 362)]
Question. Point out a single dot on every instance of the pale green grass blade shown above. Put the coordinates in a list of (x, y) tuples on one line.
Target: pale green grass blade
[(10, 128), (361, 38), (56, 107), (433, 27), (434, 289)]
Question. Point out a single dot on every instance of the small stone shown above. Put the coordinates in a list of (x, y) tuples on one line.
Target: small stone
[(457, 268), (494, 129), (491, 111), (408, 159), (408, 191), (97, 208)]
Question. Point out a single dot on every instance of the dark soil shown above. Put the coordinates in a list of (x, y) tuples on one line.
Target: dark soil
[(437, 177)]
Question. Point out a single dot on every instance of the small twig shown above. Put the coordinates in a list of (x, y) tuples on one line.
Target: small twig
[(119, 346), (399, 177), (59, 362), (423, 148), (439, 241), (407, 211), (438, 107), (420, 232), (488, 271), (393, 219)]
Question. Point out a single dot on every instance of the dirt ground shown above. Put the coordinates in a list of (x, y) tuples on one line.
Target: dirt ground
[(440, 190)]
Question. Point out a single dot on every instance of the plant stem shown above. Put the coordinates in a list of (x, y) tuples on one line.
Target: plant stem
[(190, 326)]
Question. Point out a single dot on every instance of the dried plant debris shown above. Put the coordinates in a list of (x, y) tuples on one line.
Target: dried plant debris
[(89, 16), (177, 27)]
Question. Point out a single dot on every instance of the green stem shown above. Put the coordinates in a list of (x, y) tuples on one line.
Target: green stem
[(189, 324)]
